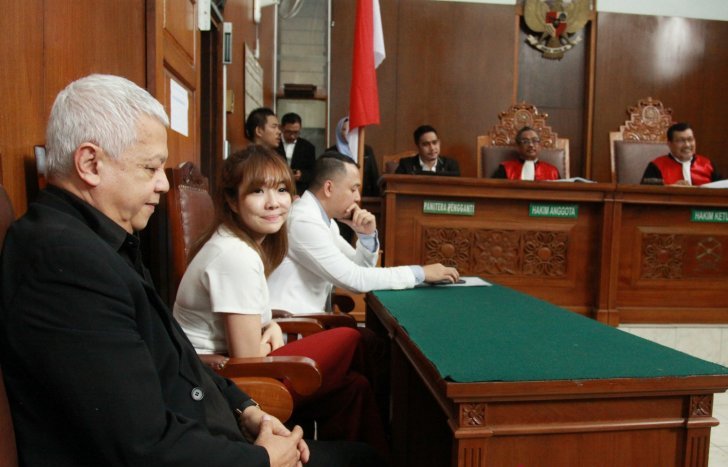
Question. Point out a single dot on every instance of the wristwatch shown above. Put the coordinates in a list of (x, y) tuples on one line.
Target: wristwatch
[(248, 403)]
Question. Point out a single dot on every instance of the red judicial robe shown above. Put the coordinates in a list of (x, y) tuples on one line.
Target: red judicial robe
[(701, 170), (542, 170)]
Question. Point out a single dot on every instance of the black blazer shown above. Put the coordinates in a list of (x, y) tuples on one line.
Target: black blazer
[(445, 166), (303, 159), (97, 371)]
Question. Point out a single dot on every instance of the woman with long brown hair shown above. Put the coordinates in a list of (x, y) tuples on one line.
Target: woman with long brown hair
[(222, 302)]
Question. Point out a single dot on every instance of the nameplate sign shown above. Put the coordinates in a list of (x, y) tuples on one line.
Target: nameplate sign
[(450, 208), (569, 211), (709, 215)]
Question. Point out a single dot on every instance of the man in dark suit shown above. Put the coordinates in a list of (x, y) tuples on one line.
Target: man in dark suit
[(298, 152), (428, 160), (97, 371)]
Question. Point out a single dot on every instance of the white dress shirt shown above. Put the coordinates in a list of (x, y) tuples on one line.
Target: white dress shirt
[(319, 258)]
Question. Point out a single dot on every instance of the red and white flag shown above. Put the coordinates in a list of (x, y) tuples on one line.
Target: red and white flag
[(368, 54)]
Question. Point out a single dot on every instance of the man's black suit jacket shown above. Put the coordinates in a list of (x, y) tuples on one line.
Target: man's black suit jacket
[(445, 166), (97, 371), (304, 159)]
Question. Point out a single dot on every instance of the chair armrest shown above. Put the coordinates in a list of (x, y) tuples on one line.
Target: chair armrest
[(328, 320), (300, 325), (271, 394), (331, 320), (301, 372), (281, 314)]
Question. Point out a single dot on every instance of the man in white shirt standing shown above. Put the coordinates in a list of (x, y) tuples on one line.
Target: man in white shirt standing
[(300, 154), (319, 258)]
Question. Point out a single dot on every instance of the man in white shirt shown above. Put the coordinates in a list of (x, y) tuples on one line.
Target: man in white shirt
[(319, 258)]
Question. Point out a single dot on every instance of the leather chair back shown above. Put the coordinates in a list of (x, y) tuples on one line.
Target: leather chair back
[(631, 159), (190, 211), (642, 138)]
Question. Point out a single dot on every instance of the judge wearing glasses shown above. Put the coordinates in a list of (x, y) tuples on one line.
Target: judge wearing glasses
[(682, 166), (527, 166)]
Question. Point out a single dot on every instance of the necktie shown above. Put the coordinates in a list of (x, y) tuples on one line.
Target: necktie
[(528, 171), (686, 172)]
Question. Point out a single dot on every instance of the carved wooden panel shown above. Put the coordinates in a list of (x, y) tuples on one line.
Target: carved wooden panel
[(701, 405), (648, 121), (450, 247), (544, 253), (515, 118), (472, 414), (498, 252), (662, 256), (680, 256)]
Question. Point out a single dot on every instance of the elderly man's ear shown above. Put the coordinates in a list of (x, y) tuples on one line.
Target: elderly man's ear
[(87, 163)]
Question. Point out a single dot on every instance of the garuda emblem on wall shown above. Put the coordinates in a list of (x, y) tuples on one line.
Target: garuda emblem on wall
[(558, 24)]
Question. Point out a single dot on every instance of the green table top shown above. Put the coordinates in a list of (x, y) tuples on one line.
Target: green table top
[(498, 334)]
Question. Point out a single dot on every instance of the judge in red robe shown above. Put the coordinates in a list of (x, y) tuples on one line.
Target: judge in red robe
[(527, 166), (682, 166)]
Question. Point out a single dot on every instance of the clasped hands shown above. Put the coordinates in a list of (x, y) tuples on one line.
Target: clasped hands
[(286, 448), (360, 220)]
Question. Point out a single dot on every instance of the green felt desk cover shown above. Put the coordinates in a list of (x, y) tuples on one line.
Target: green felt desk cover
[(498, 334)]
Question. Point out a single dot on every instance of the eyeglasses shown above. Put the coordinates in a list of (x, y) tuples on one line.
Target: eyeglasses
[(684, 140), (526, 141)]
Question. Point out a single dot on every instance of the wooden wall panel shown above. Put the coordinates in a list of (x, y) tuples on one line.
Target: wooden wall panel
[(47, 44), (240, 14), (677, 60), (558, 88), (448, 64), (22, 119)]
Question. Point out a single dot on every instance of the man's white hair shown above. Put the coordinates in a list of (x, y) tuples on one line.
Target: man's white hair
[(101, 109)]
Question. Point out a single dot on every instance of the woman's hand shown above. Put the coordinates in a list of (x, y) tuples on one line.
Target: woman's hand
[(214, 361), (271, 339)]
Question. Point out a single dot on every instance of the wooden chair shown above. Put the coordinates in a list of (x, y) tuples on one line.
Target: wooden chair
[(8, 449), (642, 138), (190, 211), (390, 162), (500, 143)]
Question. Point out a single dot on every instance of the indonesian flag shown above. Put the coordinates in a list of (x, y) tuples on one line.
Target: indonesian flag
[(368, 54)]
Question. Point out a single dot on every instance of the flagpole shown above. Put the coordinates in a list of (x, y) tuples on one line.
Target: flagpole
[(361, 156)]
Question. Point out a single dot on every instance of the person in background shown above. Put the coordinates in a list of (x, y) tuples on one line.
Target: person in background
[(96, 370), (682, 166), (428, 160), (527, 166), (262, 127), (370, 182), (223, 300), (300, 154)]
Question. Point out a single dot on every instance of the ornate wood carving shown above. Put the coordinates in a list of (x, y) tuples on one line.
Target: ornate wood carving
[(648, 121), (701, 405), (472, 414), (496, 252), (709, 254), (515, 118), (662, 256), (544, 253), (450, 247)]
